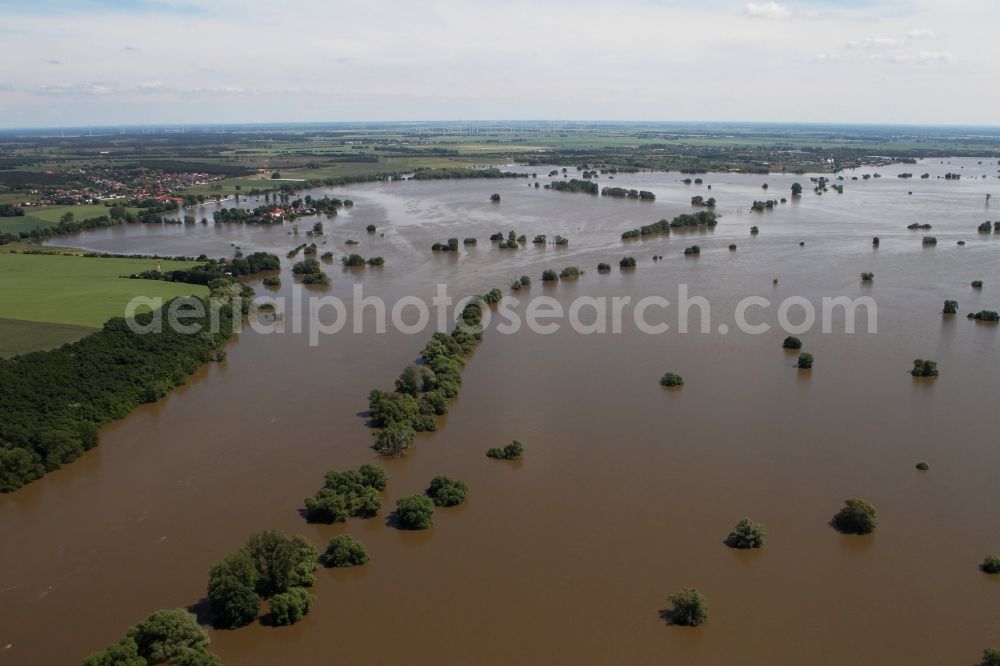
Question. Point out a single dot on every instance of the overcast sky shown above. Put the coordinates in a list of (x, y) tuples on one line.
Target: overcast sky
[(110, 62)]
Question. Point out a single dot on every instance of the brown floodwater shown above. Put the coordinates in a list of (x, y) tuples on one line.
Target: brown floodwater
[(626, 491)]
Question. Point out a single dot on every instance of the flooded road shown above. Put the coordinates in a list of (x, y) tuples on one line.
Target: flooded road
[(626, 491)]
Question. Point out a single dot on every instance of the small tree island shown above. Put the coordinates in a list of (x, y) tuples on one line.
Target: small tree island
[(671, 380), (924, 368), (857, 517), (747, 534), (791, 342), (415, 512), (512, 451), (446, 491), (690, 607), (345, 551)]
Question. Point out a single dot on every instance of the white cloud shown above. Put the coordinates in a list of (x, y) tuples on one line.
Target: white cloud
[(441, 59), (935, 57), (875, 43), (221, 90), (74, 89), (766, 10)]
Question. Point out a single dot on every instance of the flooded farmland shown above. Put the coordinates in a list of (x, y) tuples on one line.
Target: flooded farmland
[(626, 491)]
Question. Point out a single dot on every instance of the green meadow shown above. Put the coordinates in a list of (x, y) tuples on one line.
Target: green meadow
[(49, 299), (43, 217), (337, 170)]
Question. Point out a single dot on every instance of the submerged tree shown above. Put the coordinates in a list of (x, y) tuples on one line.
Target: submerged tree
[(690, 607), (345, 551), (805, 361), (270, 563), (924, 368), (671, 379), (991, 564), (512, 451), (167, 636), (347, 493), (857, 517), (291, 606), (791, 342), (394, 439), (493, 296), (570, 272), (445, 491), (950, 307), (747, 534), (416, 512)]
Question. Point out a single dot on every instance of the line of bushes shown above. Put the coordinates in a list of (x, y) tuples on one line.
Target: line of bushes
[(703, 218), (423, 392), (573, 185), (448, 174), (630, 194)]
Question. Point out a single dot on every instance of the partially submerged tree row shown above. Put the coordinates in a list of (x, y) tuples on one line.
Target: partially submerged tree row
[(423, 391)]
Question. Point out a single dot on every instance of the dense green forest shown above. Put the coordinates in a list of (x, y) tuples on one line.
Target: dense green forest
[(53, 402)]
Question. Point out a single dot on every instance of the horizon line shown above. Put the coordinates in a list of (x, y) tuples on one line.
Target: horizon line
[(280, 124)]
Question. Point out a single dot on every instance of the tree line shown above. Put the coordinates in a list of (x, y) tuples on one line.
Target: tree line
[(703, 218)]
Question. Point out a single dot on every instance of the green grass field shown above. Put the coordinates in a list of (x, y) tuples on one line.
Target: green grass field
[(46, 300), (20, 337), (48, 216), (384, 165)]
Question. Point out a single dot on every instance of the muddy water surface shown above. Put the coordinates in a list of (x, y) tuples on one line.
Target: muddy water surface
[(626, 491)]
